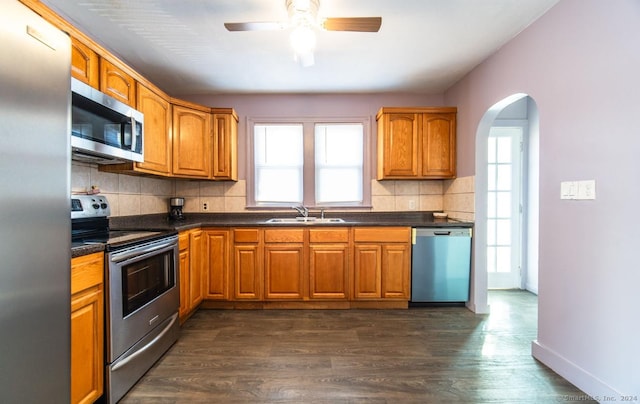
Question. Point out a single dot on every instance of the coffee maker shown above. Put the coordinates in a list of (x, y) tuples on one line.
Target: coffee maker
[(175, 211)]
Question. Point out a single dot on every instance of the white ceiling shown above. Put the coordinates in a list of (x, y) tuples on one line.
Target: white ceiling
[(423, 46)]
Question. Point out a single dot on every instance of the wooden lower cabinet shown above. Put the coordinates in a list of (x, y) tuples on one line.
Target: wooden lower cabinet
[(248, 279), (337, 267), (284, 264), (367, 271), (196, 279), (396, 264), (329, 264), (192, 281), (87, 328), (382, 263), (183, 262), (217, 264)]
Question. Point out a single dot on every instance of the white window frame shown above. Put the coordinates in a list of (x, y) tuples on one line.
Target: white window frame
[(308, 124)]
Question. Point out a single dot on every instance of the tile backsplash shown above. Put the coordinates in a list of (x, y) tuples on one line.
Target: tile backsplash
[(459, 198), (127, 194), (135, 195)]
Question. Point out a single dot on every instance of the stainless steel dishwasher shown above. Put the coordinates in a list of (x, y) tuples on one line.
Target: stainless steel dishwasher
[(440, 265)]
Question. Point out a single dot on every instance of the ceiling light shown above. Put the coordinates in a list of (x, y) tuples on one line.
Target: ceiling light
[(303, 39)]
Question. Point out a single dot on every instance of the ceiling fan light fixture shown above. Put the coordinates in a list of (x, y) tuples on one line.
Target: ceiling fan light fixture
[(303, 39)]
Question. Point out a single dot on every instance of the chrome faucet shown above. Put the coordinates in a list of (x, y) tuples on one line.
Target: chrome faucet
[(303, 210)]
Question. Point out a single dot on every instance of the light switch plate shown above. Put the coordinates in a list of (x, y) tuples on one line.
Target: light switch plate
[(581, 190), (587, 189), (568, 190)]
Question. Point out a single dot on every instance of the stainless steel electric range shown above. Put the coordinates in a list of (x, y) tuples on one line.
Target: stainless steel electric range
[(142, 292)]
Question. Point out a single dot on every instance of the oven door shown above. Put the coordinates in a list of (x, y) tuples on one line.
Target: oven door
[(143, 292)]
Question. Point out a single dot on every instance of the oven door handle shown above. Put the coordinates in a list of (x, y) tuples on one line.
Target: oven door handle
[(139, 352), (137, 251)]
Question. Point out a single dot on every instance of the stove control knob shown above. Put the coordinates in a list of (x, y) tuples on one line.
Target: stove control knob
[(95, 206), (103, 205)]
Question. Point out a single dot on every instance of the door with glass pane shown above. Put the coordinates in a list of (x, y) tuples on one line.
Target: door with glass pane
[(504, 205)]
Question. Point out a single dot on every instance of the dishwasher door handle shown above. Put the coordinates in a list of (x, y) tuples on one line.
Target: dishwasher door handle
[(441, 233)]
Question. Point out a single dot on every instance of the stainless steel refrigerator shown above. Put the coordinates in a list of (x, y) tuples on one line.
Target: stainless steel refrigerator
[(34, 208)]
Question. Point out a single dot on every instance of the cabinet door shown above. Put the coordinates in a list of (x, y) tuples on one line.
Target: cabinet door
[(196, 280), (117, 83), (217, 268), (439, 145), (157, 141), (248, 283), (284, 266), (183, 242), (367, 271), (87, 328), (86, 345), (328, 271), (396, 261), (398, 146), (84, 64), (191, 143), (225, 150)]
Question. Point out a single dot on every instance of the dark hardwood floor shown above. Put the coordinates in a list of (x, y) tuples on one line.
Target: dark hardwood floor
[(420, 355)]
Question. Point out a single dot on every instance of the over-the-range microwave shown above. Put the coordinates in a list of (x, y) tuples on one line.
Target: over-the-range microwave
[(103, 129)]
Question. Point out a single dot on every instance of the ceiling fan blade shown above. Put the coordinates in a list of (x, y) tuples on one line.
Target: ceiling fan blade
[(255, 26), (355, 24)]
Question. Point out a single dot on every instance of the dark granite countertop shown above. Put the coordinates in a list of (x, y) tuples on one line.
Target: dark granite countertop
[(161, 222), (195, 220), (80, 249)]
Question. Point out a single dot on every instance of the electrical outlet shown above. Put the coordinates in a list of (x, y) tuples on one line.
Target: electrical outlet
[(205, 205), (412, 204)]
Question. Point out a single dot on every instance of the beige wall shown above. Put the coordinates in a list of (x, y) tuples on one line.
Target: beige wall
[(136, 195)]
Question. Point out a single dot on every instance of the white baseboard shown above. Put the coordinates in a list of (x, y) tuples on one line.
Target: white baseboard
[(532, 288), (585, 381), (478, 309)]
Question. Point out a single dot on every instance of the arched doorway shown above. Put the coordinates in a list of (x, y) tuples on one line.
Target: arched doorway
[(520, 229)]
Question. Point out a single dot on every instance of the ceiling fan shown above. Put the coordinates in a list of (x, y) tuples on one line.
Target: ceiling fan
[(303, 19)]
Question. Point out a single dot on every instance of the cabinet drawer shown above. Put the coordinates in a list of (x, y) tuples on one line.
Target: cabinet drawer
[(382, 234), (328, 235), (183, 241), (86, 271), (284, 236), (246, 235)]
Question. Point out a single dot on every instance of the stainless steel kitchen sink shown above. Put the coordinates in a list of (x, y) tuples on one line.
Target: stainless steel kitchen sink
[(304, 220)]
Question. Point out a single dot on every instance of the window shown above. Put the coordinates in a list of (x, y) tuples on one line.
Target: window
[(311, 162)]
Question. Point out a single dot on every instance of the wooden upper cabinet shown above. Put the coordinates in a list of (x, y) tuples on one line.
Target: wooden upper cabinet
[(84, 63), (225, 144), (416, 143), (439, 145), (116, 83), (398, 145), (157, 134), (191, 141)]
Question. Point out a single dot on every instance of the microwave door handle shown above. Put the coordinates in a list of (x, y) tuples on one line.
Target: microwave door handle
[(133, 134)]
